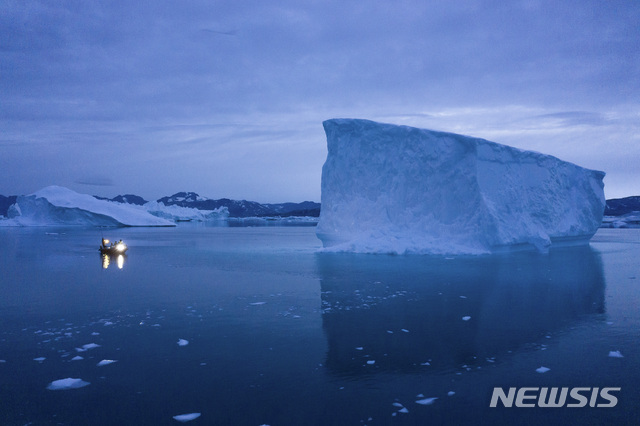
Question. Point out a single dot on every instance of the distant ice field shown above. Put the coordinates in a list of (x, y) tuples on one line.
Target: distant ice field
[(281, 334)]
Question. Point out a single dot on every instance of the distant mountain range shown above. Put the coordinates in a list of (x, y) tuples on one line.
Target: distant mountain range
[(622, 206), (243, 208), (236, 208)]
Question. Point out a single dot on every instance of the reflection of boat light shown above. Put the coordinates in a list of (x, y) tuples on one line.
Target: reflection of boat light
[(106, 260)]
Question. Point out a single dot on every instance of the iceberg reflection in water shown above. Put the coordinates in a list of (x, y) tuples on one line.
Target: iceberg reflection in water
[(409, 312)]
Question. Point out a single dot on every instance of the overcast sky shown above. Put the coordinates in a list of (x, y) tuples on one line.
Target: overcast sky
[(227, 98)]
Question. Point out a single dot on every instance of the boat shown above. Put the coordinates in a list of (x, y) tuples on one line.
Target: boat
[(114, 248)]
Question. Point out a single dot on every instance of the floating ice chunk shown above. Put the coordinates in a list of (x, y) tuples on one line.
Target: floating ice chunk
[(451, 393), (90, 346), (2, 361), (422, 191), (371, 362), (425, 363), (108, 323), (615, 354), (467, 318), (257, 303), (77, 358), (183, 342), (186, 417), (426, 401), (542, 369), (40, 359), (389, 331), (106, 362), (403, 410), (95, 333), (397, 404), (359, 348), (405, 330), (68, 383)]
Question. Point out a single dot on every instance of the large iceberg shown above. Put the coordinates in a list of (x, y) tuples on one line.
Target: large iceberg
[(398, 189), (55, 205)]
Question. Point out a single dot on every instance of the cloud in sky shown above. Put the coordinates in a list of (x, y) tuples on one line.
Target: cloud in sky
[(227, 98)]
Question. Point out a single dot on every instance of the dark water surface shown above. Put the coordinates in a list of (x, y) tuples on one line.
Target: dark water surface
[(280, 334)]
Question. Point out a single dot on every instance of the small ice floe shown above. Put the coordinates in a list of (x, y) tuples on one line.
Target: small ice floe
[(77, 358), (95, 333), (542, 369), (86, 347), (186, 417), (403, 410), (467, 318), (451, 393), (257, 303), (40, 359), (425, 363), (108, 323), (426, 401), (106, 362), (359, 348), (68, 383), (371, 362), (397, 404), (2, 361), (404, 330), (463, 297), (183, 342), (615, 354), (389, 331)]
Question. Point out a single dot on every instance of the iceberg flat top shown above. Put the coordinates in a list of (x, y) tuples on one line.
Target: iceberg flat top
[(399, 189)]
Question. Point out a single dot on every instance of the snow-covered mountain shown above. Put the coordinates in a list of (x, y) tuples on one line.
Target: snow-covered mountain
[(242, 208), (622, 206), (126, 199)]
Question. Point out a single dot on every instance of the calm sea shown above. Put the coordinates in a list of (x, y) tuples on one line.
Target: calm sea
[(273, 332)]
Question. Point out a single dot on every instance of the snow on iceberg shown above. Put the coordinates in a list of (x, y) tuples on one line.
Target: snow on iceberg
[(55, 205), (398, 189)]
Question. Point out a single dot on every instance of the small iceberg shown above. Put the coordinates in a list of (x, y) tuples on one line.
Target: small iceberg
[(542, 369), (106, 362), (77, 358), (467, 318), (40, 359), (615, 354), (183, 342), (186, 417), (426, 401), (68, 383)]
